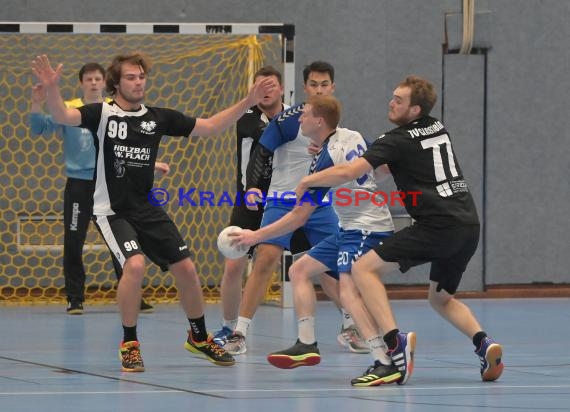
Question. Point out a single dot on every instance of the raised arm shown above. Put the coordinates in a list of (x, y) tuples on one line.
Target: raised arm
[(38, 98), (49, 78), (333, 176), (40, 123), (224, 119)]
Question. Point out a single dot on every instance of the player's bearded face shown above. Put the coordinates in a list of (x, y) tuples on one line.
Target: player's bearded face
[(132, 83), (400, 110)]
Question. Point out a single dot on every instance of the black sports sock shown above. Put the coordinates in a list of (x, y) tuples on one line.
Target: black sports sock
[(391, 339), (478, 338), (129, 333), (198, 329)]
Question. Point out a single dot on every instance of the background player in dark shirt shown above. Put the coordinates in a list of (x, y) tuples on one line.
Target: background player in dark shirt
[(127, 135), (249, 129), (445, 233)]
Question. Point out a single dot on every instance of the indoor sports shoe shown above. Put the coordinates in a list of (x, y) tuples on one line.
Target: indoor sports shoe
[(300, 354), (235, 344), (490, 355), (146, 307), (130, 356), (403, 355), (221, 336), (210, 351), (350, 338), (377, 374), (74, 307)]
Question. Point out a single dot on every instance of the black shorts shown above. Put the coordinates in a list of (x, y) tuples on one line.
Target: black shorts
[(147, 231), (448, 249), (251, 219)]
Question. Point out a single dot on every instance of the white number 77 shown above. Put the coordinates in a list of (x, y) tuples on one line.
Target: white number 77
[(435, 143)]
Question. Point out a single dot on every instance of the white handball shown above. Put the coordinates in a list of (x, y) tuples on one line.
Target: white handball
[(224, 245)]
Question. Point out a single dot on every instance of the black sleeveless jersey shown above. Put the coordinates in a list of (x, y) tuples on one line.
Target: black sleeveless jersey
[(422, 160), (126, 145), (249, 129)]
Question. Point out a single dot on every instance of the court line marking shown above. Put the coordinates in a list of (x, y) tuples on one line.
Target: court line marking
[(168, 389), (114, 378), (213, 392), (88, 392)]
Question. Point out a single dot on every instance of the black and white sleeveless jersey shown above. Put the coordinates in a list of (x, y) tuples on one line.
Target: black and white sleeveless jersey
[(249, 129), (421, 159), (126, 144)]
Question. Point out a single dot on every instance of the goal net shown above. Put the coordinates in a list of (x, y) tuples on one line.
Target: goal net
[(197, 69)]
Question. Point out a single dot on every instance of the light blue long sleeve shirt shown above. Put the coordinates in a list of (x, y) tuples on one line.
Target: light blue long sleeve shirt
[(78, 145)]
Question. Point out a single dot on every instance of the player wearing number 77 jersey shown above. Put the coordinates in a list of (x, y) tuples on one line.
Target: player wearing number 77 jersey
[(446, 229)]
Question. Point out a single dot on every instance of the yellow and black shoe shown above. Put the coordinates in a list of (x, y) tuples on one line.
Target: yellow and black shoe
[(377, 374), (130, 356), (209, 350), (300, 354)]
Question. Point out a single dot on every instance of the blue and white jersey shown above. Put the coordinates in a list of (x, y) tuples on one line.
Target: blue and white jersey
[(291, 160), (354, 212)]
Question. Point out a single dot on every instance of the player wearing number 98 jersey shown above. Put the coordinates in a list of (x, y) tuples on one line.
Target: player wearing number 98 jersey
[(127, 135), (131, 139)]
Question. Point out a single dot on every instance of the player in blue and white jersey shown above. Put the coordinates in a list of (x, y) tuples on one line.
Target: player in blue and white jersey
[(363, 225), (283, 141)]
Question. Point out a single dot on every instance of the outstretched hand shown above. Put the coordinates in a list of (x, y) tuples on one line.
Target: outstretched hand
[(42, 69), (261, 88)]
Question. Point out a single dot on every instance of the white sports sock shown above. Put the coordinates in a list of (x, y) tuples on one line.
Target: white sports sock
[(231, 324), (378, 348), (347, 320), (242, 326), (306, 327)]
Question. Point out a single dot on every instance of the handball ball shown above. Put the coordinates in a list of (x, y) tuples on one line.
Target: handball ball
[(229, 251)]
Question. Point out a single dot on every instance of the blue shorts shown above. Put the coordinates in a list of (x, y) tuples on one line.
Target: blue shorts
[(321, 224), (339, 251)]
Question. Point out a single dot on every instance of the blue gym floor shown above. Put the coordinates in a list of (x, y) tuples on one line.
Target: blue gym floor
[(51, 361)]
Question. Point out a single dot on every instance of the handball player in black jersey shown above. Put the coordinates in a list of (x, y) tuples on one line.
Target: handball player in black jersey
[(249, 129), (127, 135), (445, 231)]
